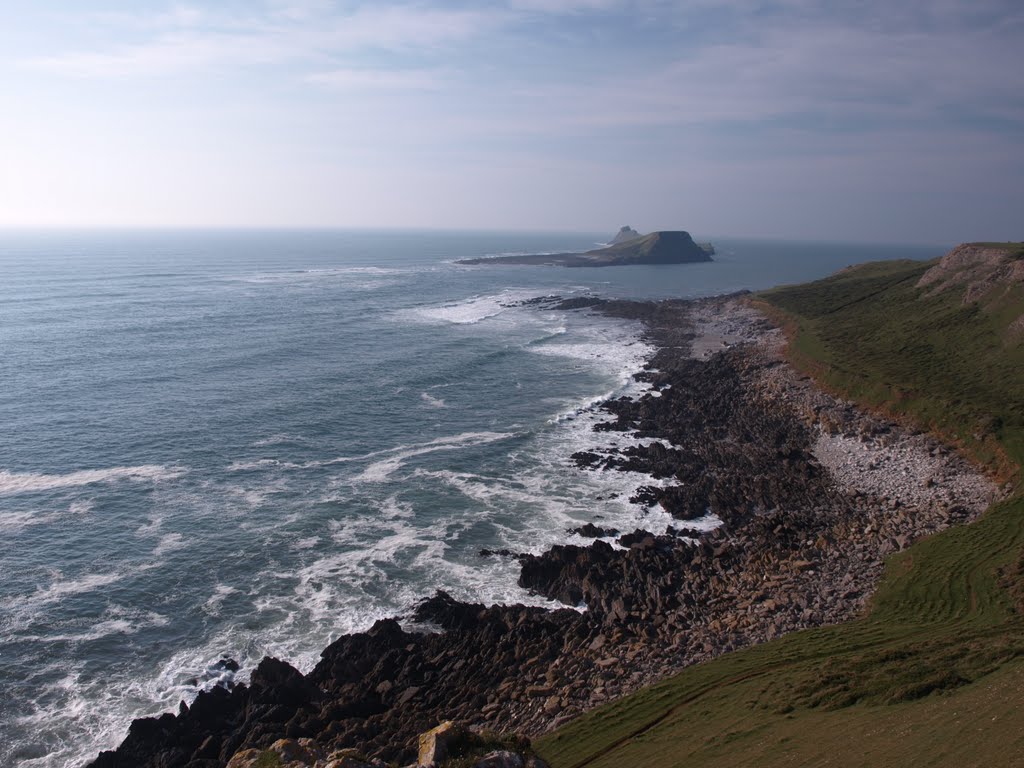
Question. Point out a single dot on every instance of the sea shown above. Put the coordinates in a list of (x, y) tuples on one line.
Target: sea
[(228, 444)]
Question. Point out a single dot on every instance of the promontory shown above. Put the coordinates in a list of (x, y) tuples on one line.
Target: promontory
[(669, 247)]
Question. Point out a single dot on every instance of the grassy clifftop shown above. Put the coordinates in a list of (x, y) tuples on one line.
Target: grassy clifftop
[(904, 337), (934, 673)]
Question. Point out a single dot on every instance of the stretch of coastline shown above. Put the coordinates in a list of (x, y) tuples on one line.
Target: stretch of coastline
[(811, 491)]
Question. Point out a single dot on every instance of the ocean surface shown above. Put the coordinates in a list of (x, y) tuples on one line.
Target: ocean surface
[(231, 444)]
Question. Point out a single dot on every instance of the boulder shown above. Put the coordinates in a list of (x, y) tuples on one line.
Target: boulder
[(434, 744)]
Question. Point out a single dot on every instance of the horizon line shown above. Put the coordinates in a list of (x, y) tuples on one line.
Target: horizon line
[(326, 228)]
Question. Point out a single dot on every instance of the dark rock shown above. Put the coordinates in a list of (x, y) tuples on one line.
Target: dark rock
[(442, 609), (500, 553), (579, 302), (591, 531)]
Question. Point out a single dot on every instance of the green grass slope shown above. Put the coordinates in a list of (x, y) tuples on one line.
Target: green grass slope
[(934, 673), (951, 366)]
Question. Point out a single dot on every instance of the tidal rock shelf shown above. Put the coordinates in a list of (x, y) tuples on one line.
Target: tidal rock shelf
[(812, 493)]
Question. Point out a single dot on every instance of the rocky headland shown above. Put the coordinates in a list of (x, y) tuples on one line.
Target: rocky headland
[(669, 247), (812, 494)]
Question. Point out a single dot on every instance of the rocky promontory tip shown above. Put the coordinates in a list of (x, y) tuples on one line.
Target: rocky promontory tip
[(668, 247), (624, 235)]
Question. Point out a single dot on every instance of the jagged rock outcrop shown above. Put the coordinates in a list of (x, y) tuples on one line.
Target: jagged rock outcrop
[(977, 270), (624, 235)]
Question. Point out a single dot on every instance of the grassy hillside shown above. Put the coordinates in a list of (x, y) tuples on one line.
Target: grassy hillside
[(870, 334), (934, 673)]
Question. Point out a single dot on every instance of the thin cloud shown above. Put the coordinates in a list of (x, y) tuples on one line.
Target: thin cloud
[(169, 54), (566, 6), (287, 32), (819, 71), (379, 79)]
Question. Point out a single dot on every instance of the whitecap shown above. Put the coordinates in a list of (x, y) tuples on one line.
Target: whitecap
[(81, 507), (476, 309), (169, 543), (60, 588), (116, 621), (380, 471), (12, 522), (431, 401), (243, 466), (151, 526), (371, 273), (28, 482), (279, 439), (214, 602), (392, 508)]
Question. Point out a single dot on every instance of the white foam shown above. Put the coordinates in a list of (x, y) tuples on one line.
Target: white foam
[(353, 271), (150, 527), (60, 588), (353, 586), (12, 483), (431, 401), (243, 466), (463, 313), (375, 471), (476, 309), (278, 439), (81, 507), (116, 621), (371, 276), (380, 471), (169, 543), (214, 603), (94, 714), (394, 509), (12, 522), (708, 522)]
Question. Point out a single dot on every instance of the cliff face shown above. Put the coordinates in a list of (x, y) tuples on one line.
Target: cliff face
[(671, 247), (982, 271)]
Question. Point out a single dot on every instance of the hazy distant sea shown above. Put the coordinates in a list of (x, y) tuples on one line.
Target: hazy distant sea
[(246, 443)]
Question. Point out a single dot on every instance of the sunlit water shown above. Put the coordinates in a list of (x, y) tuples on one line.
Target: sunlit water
[(238, 444)]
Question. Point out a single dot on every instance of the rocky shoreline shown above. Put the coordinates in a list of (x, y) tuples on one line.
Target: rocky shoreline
[(812, 493)]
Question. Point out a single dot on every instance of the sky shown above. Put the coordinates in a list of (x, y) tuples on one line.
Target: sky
[(861, 120)]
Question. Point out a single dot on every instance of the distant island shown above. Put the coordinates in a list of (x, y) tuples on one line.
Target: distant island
[(669, 247)]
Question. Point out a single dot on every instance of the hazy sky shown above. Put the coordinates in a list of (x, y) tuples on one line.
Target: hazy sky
[(865, 120)]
